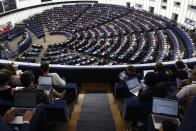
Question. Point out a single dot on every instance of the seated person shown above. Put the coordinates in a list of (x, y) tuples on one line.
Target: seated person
[(160, 71), (152, 89), (130, 72), (140, 107), (185, 106), (171, 75), (188, 90), (9, 115), (27, 79), (171, 126), (4, 52), (56, 78), (38, 121), (168, 126), (6, 92), (14, 77), (180, 72)]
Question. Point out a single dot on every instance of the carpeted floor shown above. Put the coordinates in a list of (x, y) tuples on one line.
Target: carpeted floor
[(96, 114)]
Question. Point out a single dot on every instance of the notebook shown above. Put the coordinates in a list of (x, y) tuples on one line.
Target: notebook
[(164, 110)]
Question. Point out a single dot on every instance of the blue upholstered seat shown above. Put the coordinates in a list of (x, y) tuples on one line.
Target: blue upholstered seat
[(59, 111), (133, 109)]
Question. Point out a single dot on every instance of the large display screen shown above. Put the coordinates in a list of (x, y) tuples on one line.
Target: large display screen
[(9, 5), (1, 7)]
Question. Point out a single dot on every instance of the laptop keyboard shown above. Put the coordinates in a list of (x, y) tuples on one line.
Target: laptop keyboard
[(135, 90), (19, 112), (47, 88), (159, 119)]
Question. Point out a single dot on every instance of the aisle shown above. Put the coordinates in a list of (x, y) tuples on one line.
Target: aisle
[(96, 114), (95, 110)]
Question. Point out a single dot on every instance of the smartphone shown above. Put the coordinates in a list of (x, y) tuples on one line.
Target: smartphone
[(123, 74), (180, 81)]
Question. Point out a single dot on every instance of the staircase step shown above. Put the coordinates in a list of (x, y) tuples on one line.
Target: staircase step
[(96, 125), (106, 115)]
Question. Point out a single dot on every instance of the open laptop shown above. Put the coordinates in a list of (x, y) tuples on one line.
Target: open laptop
[(132, 85), (18, 72), (45, 83), (23, 100), (146, 71), (164, 110)]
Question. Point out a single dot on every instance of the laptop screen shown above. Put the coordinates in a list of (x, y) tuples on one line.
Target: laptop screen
[(165, 106), (45, 80), (25, 99), (146, 71), (132, 83)]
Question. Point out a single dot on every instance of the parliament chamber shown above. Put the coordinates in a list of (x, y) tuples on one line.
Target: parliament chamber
[(96, 53)]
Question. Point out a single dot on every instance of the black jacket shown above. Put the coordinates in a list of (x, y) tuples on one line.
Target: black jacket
[(149, 93), (181, 75), (162, 77)]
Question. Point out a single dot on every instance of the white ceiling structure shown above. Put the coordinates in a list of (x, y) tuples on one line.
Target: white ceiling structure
[(184, 11)]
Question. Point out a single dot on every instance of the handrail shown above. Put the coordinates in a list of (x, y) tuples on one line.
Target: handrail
[(191, 60)]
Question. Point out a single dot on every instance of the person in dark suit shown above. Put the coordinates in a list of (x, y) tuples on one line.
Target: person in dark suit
[(160, 71), (153, 88), (180, 72), (27, 79), (168, 126), (6, 91), (9, 114), (130, 72)]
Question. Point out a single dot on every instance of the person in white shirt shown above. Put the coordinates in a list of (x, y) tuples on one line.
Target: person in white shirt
[(56, 78), (189, 90)]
